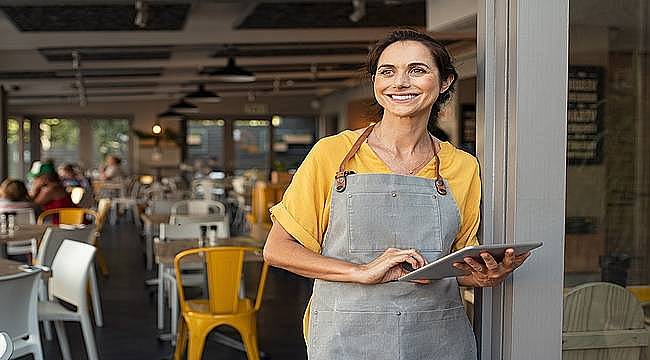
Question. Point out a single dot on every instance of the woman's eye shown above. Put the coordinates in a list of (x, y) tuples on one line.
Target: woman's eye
[(418, 71), (386, 72)]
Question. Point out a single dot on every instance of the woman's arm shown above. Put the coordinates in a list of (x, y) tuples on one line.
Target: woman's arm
[(283, 251)]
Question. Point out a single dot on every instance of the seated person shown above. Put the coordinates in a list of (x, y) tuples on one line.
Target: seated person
[(14, 195), (48, 191), (71, 176), (112, 170)]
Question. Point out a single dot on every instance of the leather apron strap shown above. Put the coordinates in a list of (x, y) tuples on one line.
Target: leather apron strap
[(341, 174)]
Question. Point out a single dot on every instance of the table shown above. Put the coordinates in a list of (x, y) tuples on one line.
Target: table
[(9, 267), (22, 233), (151, 224)]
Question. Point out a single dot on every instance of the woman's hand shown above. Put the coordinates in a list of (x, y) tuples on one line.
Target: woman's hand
[(387, 267), (491, 273)]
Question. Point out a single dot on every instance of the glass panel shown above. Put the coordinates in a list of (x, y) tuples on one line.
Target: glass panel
[(292, 140), (60, 140), (608, 162), (13, 147), (251, 138), (110, 137), (205, 142)]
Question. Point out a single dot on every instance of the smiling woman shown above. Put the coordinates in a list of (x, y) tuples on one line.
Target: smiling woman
[(364, 202)]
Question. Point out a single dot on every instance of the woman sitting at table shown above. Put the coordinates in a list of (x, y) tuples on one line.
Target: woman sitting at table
[(14, 195), (48, 191)]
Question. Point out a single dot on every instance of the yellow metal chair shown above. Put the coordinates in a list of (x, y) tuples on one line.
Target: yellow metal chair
[(103, 208), (223, 306), (69, 216)]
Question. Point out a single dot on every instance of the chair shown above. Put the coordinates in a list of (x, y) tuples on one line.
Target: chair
[(70, 216), (103, 209), (223, 230), (642, 293), (69, 281), (224, 306), (52, 240), (18, 315), (602, 321), (6, 346), (22, 247), (198, 207)]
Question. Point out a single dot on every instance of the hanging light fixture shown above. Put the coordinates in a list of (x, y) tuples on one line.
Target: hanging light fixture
[(203, 96), (184, 107), (231, 73), (170, 115)]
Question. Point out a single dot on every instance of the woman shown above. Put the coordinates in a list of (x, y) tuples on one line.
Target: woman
[(112, 171), (49, 193), (364, 202), (14, 195)]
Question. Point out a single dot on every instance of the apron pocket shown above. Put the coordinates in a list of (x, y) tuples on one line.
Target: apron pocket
[(371, 221), (419, 226), (349, 335), (437, 334)]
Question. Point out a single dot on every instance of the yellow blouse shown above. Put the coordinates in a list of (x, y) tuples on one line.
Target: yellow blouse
[(305, 207)]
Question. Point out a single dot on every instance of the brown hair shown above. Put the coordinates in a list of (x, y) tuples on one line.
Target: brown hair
[(440, 56), (14, 190)]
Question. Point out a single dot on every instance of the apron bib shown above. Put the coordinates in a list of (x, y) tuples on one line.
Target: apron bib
[(370, 213)]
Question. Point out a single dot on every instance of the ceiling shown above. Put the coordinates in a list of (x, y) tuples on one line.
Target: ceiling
[(304, 48)]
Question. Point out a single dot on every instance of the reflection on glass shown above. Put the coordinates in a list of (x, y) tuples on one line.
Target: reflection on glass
[(60, 140), (205, 141), (608, 172), (110, 137)]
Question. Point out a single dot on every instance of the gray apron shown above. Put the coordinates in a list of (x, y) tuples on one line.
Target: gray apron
[(370, 213)]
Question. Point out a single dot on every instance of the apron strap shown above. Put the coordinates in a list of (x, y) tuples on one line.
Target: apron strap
[(340, 178)]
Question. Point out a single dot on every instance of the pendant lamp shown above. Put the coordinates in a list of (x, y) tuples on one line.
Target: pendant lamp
[(184, 107), (203, 96), (232, 73)]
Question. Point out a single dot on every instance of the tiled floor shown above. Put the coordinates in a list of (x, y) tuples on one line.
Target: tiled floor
[(130, 330)]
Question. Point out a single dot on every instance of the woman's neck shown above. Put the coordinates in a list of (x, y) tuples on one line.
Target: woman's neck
[(403, 135)]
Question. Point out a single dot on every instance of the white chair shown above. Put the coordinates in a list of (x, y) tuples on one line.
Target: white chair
[(198, 208), (52, 240), (22, 247), (69, 282), (18, 313), (6, 346)]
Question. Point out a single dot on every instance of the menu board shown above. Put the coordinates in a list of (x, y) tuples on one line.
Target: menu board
[(585, 115), (468, 128)]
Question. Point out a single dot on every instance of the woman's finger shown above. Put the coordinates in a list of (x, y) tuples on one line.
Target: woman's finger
[(463, 267), (419, 258), (520, 259), (474, 264), (489, 261), (509, 258)]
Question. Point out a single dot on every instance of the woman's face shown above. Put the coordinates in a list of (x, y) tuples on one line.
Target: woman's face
[(407, 81)]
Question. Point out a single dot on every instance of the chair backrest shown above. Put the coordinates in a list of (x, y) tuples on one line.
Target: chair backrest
[(179, 231), (224, 268), (597, 317), (160, 206), (6, 346), (222, 223), (23, 216), (198, 207), (70, 216), (18, 300), (103, 207), (54, 237), (69, 279)]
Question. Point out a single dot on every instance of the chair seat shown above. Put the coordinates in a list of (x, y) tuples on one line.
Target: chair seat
[(50, 310), (201, 308)]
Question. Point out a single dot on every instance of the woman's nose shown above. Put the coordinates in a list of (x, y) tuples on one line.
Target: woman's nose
[(402, 80)]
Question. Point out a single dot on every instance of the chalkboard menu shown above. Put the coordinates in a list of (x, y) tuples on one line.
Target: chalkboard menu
[(584, 115), (468, 128)]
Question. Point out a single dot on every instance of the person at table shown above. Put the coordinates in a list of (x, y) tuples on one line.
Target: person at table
[(48, 191), (14, 195), (364, 202), (112, 170)]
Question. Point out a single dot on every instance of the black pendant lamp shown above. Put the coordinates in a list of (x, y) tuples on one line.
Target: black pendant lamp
[(170, 115), (232, 73), (184, 107), (203, 96)]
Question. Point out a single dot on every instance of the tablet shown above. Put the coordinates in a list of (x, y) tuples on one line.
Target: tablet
[(443, 267)]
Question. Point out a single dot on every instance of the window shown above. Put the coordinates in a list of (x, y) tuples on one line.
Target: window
[(110, 137), (292, 139), (205, 141), (18, 147), (60, 140), (251, 138)]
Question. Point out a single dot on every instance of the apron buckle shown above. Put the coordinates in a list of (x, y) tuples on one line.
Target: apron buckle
[(341, 180), (440, 187)]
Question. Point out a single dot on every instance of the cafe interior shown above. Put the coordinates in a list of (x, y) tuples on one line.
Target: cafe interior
[(174, 125)]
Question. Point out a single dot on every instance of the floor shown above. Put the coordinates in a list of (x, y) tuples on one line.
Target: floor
[(130, 329)]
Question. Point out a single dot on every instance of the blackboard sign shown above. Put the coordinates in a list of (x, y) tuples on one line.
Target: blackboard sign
[(468, 128), (584, 115)]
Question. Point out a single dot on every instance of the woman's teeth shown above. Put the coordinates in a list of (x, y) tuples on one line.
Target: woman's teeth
[(403, 97)]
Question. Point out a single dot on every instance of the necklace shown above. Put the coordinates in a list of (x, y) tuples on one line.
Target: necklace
[(393, 161)]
